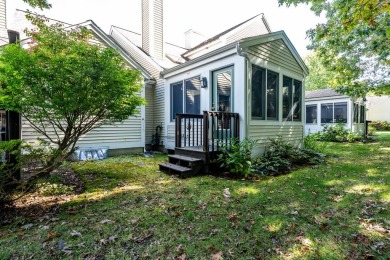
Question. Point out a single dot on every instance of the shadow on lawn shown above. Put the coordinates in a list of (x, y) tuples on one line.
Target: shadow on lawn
[(336, 210)]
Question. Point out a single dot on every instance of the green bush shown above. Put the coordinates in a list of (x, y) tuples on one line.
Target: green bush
[(380, 126), (311, 141), (337, 133), (237, 157), (281, 156)]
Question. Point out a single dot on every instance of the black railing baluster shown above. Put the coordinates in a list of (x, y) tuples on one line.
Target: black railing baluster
[(185, 132), (213, 129)]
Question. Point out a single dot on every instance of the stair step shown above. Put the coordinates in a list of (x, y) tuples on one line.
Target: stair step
[(175, 167), (185, 158)]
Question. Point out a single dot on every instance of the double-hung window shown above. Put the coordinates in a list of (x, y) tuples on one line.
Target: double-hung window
[(292, 99), (265, 84), (185, 97)]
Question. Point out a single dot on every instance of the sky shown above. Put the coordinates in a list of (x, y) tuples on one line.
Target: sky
[(209, 17)]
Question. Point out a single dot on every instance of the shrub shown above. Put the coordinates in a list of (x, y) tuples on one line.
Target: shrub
[(380, 126), (371, 131), (280, 156), (237, 157), (311, 141), (337, 133)]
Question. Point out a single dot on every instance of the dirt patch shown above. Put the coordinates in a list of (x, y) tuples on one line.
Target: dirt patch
[(33, 205)]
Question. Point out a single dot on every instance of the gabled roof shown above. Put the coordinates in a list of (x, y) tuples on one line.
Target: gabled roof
[(244, 43), (218, 36), (107, 40), (22, 21), (172, 52), (280, 35), (322, 93)]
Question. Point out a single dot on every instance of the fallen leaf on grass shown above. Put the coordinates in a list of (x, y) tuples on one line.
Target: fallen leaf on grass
[(112, 239), (134, 220), (226, 193), (52, 235), (214, 232), (217, 255), (248, 229), (233, 217), (73, 212), (180, 249), (75, 234), (148, 234), (27, 226), (182, 257)]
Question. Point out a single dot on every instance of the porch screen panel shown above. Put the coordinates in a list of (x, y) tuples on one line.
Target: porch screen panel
[(224, 90), (327, 113), (192, 87), (297, 102), (287, 97), (272, 95), (311, 114), (362, 112), (340, 112), (355, 113), (258, 92), (176, 99)]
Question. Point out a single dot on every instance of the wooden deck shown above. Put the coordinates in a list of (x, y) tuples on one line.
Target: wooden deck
[(198, 139)]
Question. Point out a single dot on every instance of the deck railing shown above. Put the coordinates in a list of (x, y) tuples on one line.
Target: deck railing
[(208, 131)]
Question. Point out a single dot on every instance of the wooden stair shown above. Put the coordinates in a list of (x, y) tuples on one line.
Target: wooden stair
[(183, 165)]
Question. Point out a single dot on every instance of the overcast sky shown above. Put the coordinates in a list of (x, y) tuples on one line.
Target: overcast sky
[(209, 17)]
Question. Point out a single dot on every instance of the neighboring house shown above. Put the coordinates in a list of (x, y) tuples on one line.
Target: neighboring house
[(244, 82), (378, 108), (328, 107)]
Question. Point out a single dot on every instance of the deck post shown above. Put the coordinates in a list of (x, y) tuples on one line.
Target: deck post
[(206, 131), (178, 130)]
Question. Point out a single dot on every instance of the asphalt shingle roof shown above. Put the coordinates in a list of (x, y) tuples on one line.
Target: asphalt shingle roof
[(322, 93)]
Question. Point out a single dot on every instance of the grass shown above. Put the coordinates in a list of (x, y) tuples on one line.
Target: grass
[(335, 211)]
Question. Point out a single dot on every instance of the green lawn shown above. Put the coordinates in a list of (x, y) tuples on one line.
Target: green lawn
[(337, 210)]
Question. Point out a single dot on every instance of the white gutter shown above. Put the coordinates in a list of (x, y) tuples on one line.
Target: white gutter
[(241, 53)]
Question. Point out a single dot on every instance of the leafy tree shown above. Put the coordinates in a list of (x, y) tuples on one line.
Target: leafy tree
[(65, 87), (319, 77), (354, 43), (38, 3)]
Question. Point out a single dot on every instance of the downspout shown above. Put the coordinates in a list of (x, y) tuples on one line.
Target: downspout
[(242, 53)]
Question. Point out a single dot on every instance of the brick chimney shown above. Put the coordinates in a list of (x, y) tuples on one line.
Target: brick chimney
[(3, 23), (152, 28)]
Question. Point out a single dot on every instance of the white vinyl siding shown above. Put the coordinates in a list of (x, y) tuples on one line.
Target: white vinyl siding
[(154, 110), (277, 54), (3, 14), (3, 23), (149, 114), (159, 106), (152, 27), (120, 135), (263, 133)]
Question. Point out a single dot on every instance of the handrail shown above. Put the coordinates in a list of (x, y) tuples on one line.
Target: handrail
[(209, 130)]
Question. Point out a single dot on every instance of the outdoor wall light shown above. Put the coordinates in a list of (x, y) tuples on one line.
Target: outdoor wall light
[(203, 82)]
